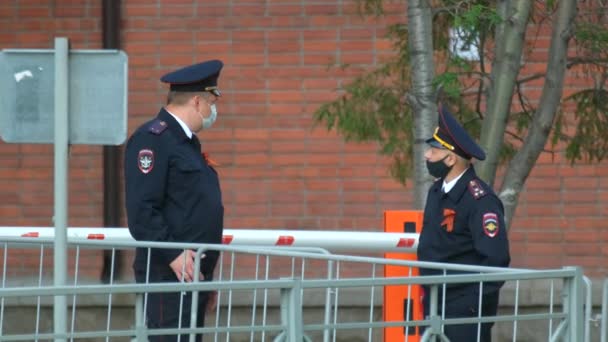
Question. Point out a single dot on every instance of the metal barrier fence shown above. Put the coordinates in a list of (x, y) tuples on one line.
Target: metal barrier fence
[(604, 317), (288, 294)]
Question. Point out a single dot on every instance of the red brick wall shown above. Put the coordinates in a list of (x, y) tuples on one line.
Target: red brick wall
[(282, 61)]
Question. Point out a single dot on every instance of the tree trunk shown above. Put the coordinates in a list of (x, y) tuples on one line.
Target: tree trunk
[(502, 9), (422, 96), (537, 136), (504, 74)]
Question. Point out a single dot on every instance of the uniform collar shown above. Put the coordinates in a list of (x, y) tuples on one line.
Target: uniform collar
[(461, 185), (173, 124), (185, 127), (447, 186)]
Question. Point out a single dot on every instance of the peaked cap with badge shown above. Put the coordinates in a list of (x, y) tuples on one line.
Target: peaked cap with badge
[(198, 77), (451, 136)]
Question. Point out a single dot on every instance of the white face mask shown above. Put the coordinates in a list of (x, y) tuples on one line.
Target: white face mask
[(208, 121)]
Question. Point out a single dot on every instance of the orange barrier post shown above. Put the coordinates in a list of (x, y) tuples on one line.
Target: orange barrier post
[(396, 301)]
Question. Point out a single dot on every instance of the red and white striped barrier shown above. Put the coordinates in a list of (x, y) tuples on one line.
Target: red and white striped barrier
[(330, 240)]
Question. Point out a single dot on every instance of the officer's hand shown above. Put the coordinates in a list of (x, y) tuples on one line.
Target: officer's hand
[(212, 301), (183, 266)]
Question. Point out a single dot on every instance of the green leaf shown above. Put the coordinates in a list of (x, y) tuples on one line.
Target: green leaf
[(590, 140)]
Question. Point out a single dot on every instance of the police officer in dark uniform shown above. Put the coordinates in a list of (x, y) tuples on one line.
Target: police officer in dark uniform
[(463, 224), (173, 194)]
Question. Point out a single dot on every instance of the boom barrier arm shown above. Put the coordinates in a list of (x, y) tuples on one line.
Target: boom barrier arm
[(329, 240)]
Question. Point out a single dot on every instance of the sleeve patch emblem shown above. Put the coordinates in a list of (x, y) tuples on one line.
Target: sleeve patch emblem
[(490, 224), (145, 161)]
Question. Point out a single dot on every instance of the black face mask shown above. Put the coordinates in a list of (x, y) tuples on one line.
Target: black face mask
[(438, 169)]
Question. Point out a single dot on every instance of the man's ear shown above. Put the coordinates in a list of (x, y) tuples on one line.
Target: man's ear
[(196, 100), (452, 159)]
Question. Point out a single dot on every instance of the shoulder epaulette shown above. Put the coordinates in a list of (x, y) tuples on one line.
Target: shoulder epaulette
[(157, 127), (476, 189)]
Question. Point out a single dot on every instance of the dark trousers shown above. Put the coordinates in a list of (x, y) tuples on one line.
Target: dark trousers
[(163, 310), (467, 305)]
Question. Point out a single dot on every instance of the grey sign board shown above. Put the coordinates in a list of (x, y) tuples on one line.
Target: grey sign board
[(97, 89)]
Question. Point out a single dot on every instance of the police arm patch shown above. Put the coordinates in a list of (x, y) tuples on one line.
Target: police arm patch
[(145, 161), (490, 224)]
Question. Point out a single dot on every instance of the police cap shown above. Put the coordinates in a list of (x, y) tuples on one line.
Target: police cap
[(450, 135), (198, 77)]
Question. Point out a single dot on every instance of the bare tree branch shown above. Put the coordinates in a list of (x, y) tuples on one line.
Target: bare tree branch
[(420, 42), (521, 139), (521, 165), (482, 68), (531, 78), (504, 72), (514, 135), (574, 61)]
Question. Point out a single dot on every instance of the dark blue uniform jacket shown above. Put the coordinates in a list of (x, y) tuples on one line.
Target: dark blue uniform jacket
[(172, 194), (464, 226)]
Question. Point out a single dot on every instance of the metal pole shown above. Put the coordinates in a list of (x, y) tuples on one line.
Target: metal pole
[(61, 177), (111, 154), (435, 328), (573, 305), (140, 324), (291, 311), (604, 326), (328, 298)]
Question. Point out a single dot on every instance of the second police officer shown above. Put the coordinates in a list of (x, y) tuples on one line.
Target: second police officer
[(463, 224)]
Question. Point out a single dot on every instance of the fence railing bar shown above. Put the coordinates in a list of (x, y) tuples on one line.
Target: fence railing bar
[(343, 281)]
